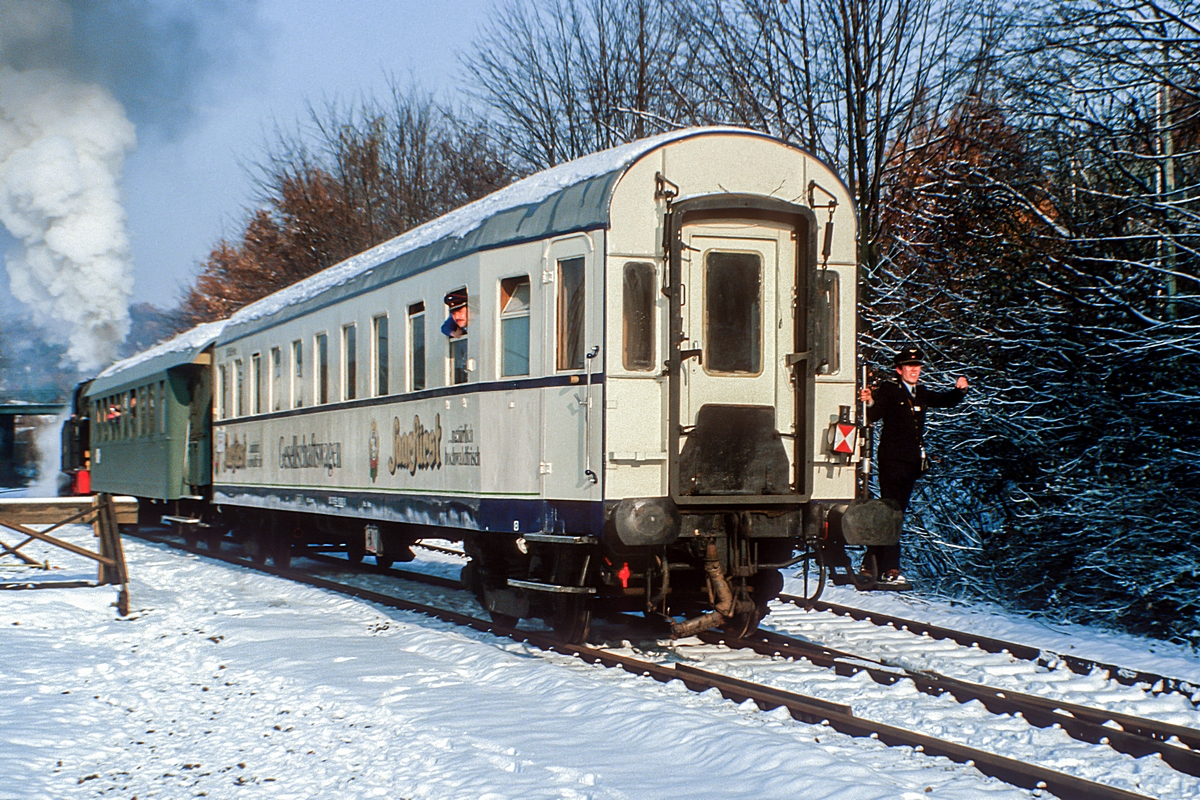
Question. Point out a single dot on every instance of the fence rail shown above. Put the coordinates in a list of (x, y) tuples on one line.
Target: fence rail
[(105, 513)]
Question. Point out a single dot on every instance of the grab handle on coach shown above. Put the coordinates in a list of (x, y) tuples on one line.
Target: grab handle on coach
[(588, 472)]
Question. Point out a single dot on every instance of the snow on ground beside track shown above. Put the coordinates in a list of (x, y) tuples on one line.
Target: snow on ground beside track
[(1110, 647), (229, 683), (970, 724), (999, 670)]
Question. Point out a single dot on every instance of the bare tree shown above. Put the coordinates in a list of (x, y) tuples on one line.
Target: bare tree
[(1043, 239), (1111, 91), (359, 176), (565, 78), (850, 80)]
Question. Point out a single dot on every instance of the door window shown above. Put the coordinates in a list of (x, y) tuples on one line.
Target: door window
[(570, 313), (733, 312)]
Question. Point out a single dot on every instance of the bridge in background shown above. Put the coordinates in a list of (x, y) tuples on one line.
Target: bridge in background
[(22, 404)]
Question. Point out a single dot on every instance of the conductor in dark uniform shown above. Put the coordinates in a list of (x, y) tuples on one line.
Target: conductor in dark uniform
[(900, 460)]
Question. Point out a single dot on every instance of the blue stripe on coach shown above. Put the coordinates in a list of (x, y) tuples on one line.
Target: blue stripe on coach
[(466, 512)]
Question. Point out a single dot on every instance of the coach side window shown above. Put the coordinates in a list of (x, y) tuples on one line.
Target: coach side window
[(826, 340), (162, 407), (570, 313), (379, 350), (321, 368), (276, 379), (457, 328), (239, 389), (297, 374), (256, 384), (514, 326), (637, 320), (416, 347), (222, 392), (151, 425), (349, 361)]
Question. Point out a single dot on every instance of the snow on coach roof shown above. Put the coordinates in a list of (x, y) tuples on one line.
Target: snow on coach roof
[(182, 349), (568, 198)]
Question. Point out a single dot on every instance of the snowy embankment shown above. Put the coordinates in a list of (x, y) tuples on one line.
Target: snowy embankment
[(229, 683)]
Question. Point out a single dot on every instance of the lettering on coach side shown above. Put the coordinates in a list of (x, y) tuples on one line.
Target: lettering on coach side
[(461, 452), (302, 454), (418, 448)]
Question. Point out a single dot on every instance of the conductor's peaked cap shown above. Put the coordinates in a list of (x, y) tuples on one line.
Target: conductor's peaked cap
[(909, 356), (456, 298)]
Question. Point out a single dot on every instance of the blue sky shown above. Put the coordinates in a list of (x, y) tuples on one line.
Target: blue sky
[(186, 185)]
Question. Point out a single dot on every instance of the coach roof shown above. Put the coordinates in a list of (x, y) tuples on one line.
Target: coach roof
[(565, 199), (182, 349)]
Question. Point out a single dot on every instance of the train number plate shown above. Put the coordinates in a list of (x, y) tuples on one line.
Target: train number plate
[(372, 543)]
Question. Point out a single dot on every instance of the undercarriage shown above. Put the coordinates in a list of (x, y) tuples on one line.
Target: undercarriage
[(718, 575)]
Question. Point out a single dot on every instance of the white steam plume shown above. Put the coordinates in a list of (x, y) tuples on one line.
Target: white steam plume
[(62, 151)]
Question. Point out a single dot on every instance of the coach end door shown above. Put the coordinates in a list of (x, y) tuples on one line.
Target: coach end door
[(734, 394)]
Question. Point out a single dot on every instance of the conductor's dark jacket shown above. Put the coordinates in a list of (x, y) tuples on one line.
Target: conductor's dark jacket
[(903, 416)]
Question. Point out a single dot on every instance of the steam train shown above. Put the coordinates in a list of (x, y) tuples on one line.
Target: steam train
[(624, 383)]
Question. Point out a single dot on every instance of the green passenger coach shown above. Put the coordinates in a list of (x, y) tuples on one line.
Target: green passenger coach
[(151, 430)]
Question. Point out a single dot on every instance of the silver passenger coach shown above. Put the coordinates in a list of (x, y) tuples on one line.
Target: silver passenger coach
[(641, 413)]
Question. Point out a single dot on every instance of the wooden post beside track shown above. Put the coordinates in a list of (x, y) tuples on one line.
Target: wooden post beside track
[(103, 511)]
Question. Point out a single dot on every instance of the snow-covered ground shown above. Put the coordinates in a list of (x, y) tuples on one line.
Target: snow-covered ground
[(229, 683)]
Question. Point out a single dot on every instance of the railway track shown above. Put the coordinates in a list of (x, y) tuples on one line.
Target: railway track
[(1126, 676), (1135, 737), (1177, 745), (1159, 684)]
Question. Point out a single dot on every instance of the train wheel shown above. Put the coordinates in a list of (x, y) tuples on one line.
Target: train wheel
[(867, 577), (190, 537), (741, 625), (215, 535), (356, 548), (384, 561), (281, 553), (504, 620), (572, 619), (255, 549), (469, 577), (812, 575)]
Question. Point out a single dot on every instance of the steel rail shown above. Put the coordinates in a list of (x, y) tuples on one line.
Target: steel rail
[(803, 708), (394, 572), (1136, 736), (1126, 676), (437, 548)]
